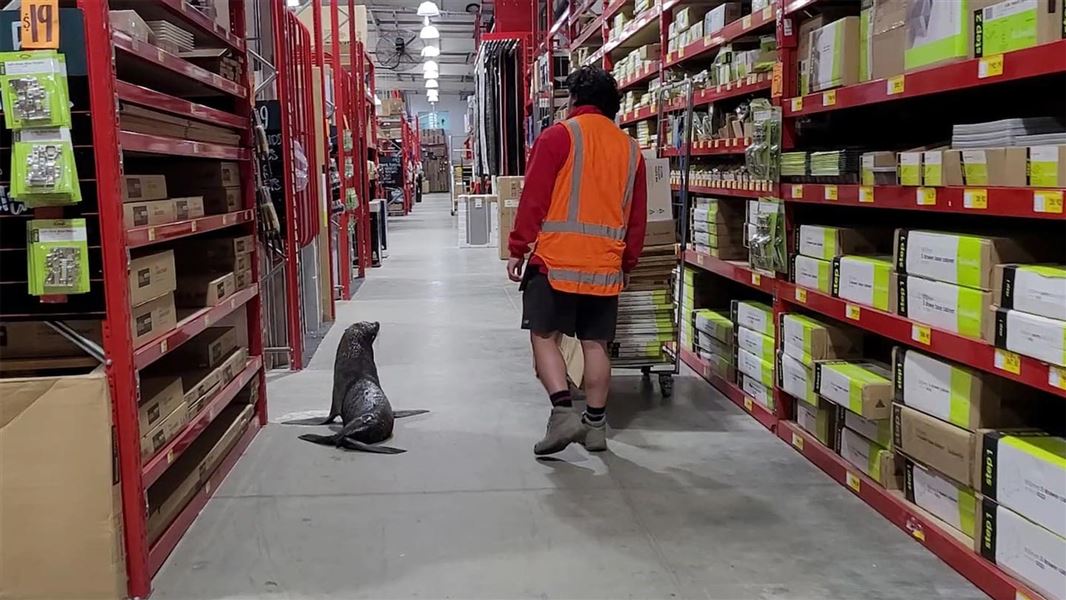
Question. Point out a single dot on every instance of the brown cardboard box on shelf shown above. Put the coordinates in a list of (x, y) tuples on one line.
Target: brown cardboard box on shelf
[(1000, 26), (243, 244), (995, 166), (232, 365), (509, 192), (186, 175), (242, 262), (151, 276), (888, 38), (198, 384), (221, 200), (243, 280), (159, 397), (139, 188), (153, 212), (34, 339), (60, 506), (833, 56), (660, 233), (164, 431), (209, 349), (227, 440), (204, 289), (938, 444), (153, 318), (937, 255), (187, 208)]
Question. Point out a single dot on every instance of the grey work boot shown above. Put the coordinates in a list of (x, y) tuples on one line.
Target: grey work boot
[(564, 427), (595, 436)]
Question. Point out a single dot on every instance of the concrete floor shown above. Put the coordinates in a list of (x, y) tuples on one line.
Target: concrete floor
[(695, 499)]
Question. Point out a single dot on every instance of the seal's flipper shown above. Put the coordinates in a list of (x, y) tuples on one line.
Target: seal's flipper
[(311, 421), (399, 414), (352, 444), (325, 440)]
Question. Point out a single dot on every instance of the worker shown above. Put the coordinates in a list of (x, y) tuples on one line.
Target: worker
[(583, 209)]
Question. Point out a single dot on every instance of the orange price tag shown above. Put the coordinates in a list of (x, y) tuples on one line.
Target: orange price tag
[(39, 24), (777, 80)]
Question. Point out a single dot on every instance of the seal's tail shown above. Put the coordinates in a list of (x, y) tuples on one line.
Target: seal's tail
[(351, 444), (325, 440), (399, 414)]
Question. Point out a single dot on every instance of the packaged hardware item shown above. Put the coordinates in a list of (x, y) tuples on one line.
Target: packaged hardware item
[(811, 339), (755, 367), (937, 32), (947, 500), (946, 306), (766, 238), (812, 273), (716, 323), (833, 58), (878, 431), (1027, 474), (152, 319), (34, 89), (966, 260), (763, 156), (43, 172), (151, 276), (863, 387), (1035, 289), (867, 280), (159, 397), (1017, 545), (758, 344), (761, 393), (753, 315), (873, 459), (57, 257), (1032, 335), (826, 243), (820, 420), (934, 443), (1005, 25), (796, 377)]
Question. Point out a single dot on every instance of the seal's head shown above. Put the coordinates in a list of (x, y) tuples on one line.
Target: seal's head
[(364, 332), (356, 348)]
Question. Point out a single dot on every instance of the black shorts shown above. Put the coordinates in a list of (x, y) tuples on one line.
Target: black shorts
[(546, 310)]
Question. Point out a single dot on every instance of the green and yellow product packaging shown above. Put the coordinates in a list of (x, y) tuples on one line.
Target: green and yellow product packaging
[(43, 172), (954, 308), (810, 339), (1032, 335), (948, 501), (812, 273), (1047, 166), (873, 459), (826, 243), (34, 89), (863, 387), (1026, 472), (1026, 550), (711, 344), (1006, 25), (994, 166), (717, 324), (867, 280), (758, 344), (933, 168), (878, 168), (720, 365), (57, 257), (910, 168), (966, 260), (754, 315), (937, 32), (1035, 289), (759, 392), (796, 377), (865, 39), (878, 431), (833, 58), (755, 367), (820, 419)]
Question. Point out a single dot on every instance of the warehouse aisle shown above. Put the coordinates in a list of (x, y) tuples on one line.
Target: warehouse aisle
[(695, 500)]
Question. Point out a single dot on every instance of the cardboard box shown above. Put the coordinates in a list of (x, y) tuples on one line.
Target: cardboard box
[(227, 440), (753, 315), (130, 23), (755, 367), (1047, 166), (716, 323), (187, 208), (1022, 548), (867, 280), (937, 32), (948, 501), (888, 38), (796, 378), (209, 349), (720, 16), (152, 319), (171, 425), (955, 258), (820, 420), (878, 168), (933, 168), (995, 166), (243, 244), (833, 57), (232, 366), (930, 441), (878, 431), (812, 273), (946, 306), (826, 243), (758, 344), (910, 168), (874, 460), (159, 397), (186, 175), (205, 289), (243, 280), (657, 171), (139, 188), (221, 200), (762, 394), (153, 212), (1034, 289), (151, 276), (1006, 25), (1032, 335), (954, 393), (1026, 473), (660, 233), (60, 502), (863, 387), (509, 188), (810, 339), (33, 339)]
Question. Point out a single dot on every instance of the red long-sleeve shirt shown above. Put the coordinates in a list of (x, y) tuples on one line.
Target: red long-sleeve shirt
[(550, 152)]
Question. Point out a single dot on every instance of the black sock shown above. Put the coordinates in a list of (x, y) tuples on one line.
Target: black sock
[(561, 399), (595, 416)]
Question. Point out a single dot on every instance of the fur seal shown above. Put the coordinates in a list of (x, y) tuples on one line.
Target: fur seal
[(358, 399)]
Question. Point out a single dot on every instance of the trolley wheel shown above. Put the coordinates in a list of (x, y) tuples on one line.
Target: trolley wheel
[(645, 371), (666, 384)]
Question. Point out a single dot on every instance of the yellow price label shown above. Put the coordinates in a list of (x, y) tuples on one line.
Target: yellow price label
[(797, 191), (797, 440), (866, 194), (918, 533), (976, 199), (852, 312), (1020, 595), (39, 24), (1047, 201), (1056, 377), (699, 259), (990, 66), (895, 85), (170, 456), (768, 13), (829, 98), (801, 295), (830, 192), (1008, 361), (748, 404), (921, 334), (926, 196), (163, 346), (776, 80), (681, 52), (756, 279), (746, 21), (797, 104), (853, 481)]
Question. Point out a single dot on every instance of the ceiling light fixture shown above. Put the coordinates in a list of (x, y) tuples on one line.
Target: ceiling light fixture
[(431, 84), (430, 65), (430, 51), (428, 9), (431, 75), (377, 100), (429, 32)]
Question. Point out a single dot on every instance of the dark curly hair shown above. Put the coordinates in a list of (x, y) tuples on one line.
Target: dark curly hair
[(596, 87)]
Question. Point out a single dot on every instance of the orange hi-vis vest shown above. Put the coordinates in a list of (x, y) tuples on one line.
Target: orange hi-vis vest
[(583, 237)]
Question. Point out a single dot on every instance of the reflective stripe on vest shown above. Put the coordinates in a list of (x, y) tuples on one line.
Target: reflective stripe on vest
[(600, 279)]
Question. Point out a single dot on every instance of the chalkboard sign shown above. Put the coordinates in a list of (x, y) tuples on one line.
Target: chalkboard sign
[(390, 170), (273, 169)]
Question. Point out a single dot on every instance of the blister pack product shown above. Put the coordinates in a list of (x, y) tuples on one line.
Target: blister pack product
[(34, 89), (43, 172), (763, 155), (57, 256)]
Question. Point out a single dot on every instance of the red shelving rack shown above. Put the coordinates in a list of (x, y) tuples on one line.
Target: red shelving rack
[(136, 72), (766, 417), (1034, 203)]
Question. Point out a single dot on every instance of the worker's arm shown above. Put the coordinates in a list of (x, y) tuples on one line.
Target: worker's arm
[(548, 157), (638, 219)]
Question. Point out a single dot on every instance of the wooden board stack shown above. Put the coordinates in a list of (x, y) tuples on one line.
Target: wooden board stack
[(646, 310), (170, 37)]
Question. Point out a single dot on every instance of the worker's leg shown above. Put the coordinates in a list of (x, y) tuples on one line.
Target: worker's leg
[(597, 381), (551, 368)]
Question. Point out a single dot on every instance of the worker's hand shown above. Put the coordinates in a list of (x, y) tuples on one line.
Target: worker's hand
[(514, 268), (625, 281)]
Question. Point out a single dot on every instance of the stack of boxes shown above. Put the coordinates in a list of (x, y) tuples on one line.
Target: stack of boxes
[(508, 192), (718, 229), (213, 269), (637, 62), (152, 281), (1029, 311), (714, 341), (754, 336), (819, 247), (687, 305)]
